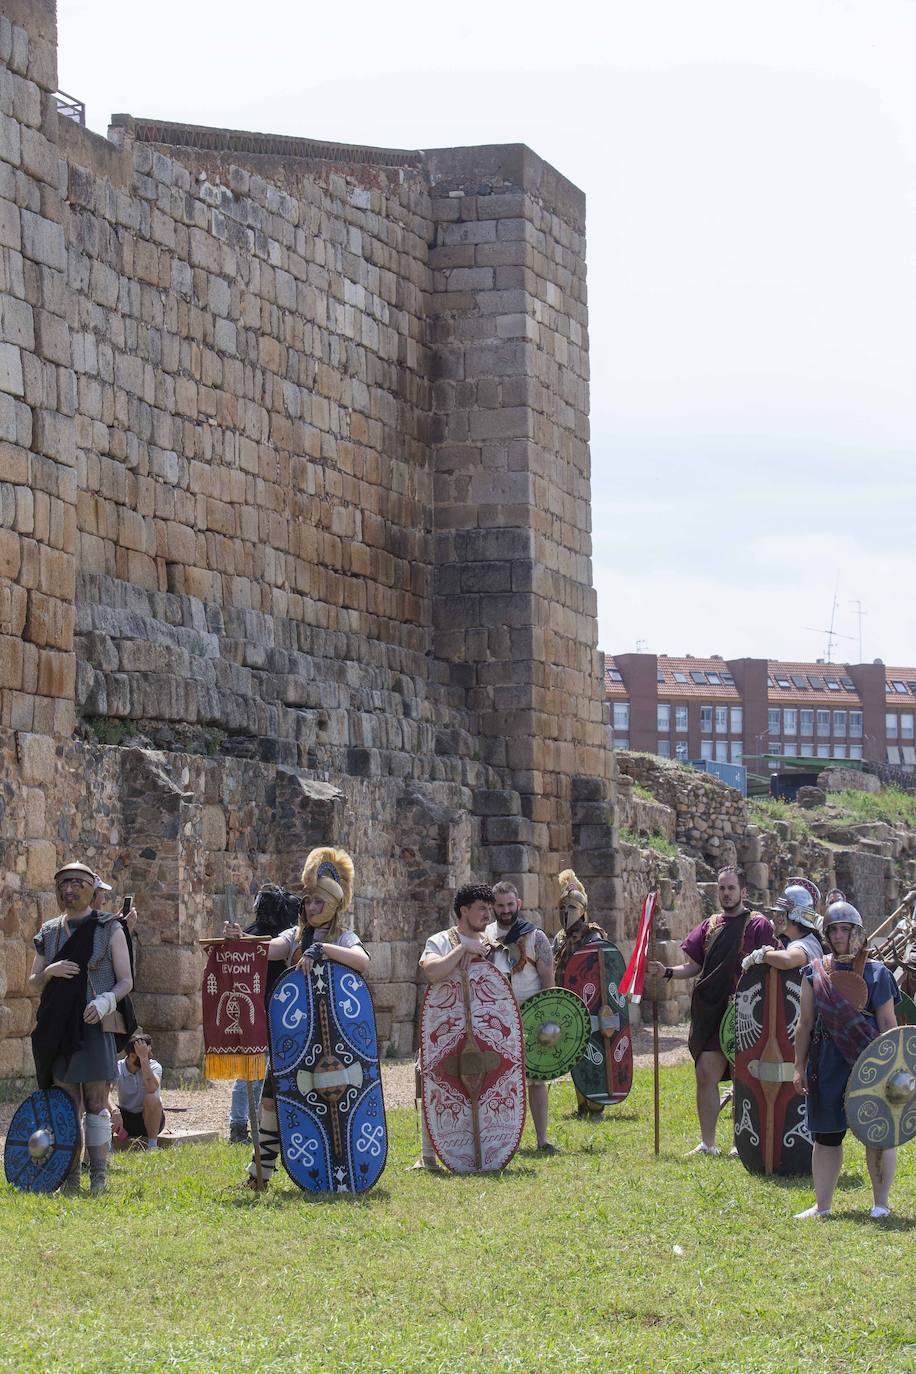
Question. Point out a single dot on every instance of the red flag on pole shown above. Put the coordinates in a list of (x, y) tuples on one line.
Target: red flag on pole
[(633, 981)]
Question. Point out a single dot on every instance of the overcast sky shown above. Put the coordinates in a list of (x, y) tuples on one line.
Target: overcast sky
[(751, 178)]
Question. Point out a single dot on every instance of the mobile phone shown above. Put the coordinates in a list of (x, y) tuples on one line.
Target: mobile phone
[(127, 904)]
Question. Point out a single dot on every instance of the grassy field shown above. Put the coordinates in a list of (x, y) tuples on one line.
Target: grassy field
[(600, 1256)]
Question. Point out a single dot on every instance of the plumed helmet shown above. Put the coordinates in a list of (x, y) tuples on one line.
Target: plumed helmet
[(798, 905), (328, 873), (572, 891), (812, 889), (844, 913)]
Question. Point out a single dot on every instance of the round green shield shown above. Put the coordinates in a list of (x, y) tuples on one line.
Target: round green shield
[(557, 1026)]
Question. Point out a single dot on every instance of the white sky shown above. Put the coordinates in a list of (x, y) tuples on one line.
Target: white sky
[(751, 179)]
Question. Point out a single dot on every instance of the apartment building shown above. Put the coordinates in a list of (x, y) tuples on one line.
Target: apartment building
[(738, 710)]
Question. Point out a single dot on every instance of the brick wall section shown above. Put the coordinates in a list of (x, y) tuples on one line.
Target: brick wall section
[(515, 609), (255, 543), (38, 478)]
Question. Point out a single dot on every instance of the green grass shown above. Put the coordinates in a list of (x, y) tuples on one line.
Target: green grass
[(602, 1255), (657, 841), (763, 811), (891, 805)]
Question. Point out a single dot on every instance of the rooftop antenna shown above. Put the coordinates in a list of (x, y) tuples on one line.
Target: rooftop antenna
[(859, 614), (641, 646), (831, 634)]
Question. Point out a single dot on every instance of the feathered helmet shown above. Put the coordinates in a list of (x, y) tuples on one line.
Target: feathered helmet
[(328, 874), (572, 895)]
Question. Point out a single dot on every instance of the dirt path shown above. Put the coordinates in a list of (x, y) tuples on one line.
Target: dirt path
[(208, 1109)]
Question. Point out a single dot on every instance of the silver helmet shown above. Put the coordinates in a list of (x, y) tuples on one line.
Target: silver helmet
[(844, 913), (798, 905)]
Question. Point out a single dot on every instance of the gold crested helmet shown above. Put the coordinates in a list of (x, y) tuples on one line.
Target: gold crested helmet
[(328, 875), (573, 899)]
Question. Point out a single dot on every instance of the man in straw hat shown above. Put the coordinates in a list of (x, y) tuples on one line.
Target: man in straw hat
[(82, 970)]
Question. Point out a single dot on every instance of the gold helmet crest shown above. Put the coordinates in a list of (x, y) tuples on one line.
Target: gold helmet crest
[(328, 874)]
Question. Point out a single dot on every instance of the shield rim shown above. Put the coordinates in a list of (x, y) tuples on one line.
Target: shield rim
[(304, 1187), (518, 1068), (602, 948), (869, 1053), (543, 995), (45, 1093)]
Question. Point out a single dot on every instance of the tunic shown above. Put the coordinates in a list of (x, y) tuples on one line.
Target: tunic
[(828, 1071)]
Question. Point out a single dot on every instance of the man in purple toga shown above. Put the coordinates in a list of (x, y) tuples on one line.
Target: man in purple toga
[(715, 949)]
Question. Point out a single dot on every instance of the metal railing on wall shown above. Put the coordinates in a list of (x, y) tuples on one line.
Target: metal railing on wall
[(70, 107)]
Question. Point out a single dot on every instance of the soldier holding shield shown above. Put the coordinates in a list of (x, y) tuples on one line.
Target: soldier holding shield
[(82, 970), (847, 1000), (327, 881)]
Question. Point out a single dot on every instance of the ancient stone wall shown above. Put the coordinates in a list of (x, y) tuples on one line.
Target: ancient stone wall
[(180, 831), (294, 494)]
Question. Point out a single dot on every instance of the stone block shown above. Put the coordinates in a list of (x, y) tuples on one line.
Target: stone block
[(163, 1012), (181, 1049), (37, 757), (11, 379), (169, 968), (40, 865), (213, 828), (496, 802)]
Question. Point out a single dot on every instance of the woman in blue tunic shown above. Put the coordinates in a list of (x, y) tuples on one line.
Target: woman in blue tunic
[(846, 1001)]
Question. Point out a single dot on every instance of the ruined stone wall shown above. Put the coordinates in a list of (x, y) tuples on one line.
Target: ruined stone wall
[(179, 831)]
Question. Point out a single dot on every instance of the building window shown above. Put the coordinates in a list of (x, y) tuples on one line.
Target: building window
[(782, 682), (823, 751), (664, 748), (832, 684), (680, 750), (680, 719), (823, 724), (737, 720), (807, 751), (906, 725), (679, 677), (698, 678), (621, 715), (615, 675), (705, 748), (899, 687), (621, 743), (839, 724), (807, 722), (790, 721), (839, 751), (890, 725), (737, 752), (773, 720), (775, 747), (663, 717), (855, 751), (706, 722), (855, 725), (721, 720), (722, 751)]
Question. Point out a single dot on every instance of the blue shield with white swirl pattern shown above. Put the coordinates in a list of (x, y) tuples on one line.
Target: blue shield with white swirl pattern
[(324, 1057)]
